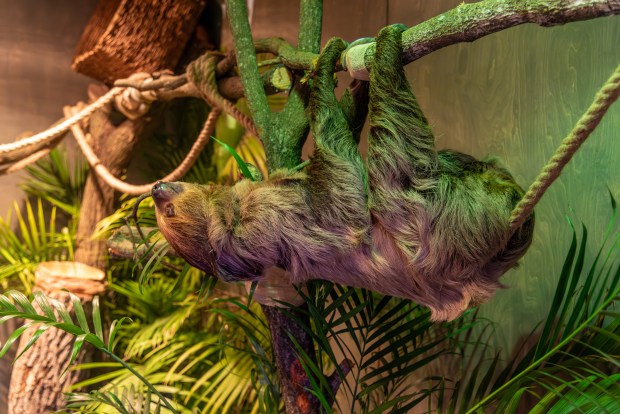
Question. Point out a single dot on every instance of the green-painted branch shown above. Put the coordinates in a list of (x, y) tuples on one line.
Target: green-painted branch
[(291, 125), (310, 26), (246, 62), (465, 23), (469, 22)]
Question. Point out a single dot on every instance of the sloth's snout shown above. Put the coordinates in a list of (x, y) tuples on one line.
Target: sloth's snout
[(164, 192)]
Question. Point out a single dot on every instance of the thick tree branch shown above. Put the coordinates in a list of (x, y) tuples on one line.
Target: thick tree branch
[(246, 62), (469, 22), (310, 26)]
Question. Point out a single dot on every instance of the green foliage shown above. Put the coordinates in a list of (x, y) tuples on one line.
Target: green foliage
[(201, 350), (36, 241), (58, 179), (243, 166), (386, 340), (55, 314)]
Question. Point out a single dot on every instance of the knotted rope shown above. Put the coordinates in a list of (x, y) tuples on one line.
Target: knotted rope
[(200, 72), (604, 98)]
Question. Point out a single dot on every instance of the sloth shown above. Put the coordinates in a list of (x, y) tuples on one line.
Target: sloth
[(410, 221)]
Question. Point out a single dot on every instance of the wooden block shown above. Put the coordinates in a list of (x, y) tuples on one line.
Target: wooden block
[(128, 36)]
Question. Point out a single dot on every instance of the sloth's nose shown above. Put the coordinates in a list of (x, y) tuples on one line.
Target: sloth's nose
[(165, 191)]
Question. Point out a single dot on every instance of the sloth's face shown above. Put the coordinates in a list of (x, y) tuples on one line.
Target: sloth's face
[(181, 210)]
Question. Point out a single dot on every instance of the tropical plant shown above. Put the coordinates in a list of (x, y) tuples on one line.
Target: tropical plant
[(59, 179), (30, 237), (36, 241)]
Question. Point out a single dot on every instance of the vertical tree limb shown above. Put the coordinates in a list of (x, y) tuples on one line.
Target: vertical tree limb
[(282, 142), (248, 68)]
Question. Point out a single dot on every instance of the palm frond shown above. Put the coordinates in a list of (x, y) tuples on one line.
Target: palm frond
[(36, 240), (55, 314), (123, 401), (59, 179), (385, 338)]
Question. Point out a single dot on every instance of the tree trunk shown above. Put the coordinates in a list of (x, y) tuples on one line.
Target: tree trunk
[(37, 385), (114, 145)]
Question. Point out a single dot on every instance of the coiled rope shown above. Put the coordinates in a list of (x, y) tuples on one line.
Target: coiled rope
[(201, 73)]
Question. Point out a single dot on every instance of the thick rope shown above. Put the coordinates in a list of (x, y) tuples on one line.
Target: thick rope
[(131, 189), (201, 73), (25, 162), (62, 127), (208, 88), (605, 97)]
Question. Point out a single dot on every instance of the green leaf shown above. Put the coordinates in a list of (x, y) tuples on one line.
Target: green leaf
[(32, 340), (77, 346), (14, 337), (97, 318), (242, 164), (114, 328), (80, 315), (44, 304)]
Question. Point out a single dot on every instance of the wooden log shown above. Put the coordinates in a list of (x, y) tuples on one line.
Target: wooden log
[(37, 385), (128, 36), (114, 146)]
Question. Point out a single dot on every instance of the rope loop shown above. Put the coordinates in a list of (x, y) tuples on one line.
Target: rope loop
[(201, 73)]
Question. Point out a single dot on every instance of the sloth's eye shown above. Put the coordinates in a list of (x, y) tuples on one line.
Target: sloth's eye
[(170, 210)]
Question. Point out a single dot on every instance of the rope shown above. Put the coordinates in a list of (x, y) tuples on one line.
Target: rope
[(208, 88), (25, 162), (201, 73), (603, 100), (62, 127), (131, 189)]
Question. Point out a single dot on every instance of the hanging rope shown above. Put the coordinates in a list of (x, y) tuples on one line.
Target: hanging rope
[(62, 127), (208, 88), (584, 127), (119, 185)]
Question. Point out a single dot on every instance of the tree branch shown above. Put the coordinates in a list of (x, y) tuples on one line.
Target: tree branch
[(246, 62), (310, 26), (469, 22)]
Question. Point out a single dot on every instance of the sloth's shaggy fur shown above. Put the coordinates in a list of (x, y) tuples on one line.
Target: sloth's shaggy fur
[(411, 222)]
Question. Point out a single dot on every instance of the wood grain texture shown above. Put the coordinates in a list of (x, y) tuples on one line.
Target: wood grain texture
[(516, 95)]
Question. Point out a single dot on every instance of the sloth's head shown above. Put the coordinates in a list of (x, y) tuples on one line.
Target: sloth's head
[(183, 218)]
